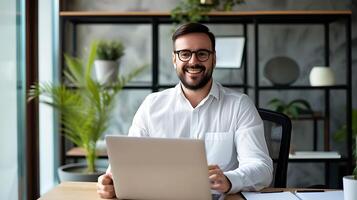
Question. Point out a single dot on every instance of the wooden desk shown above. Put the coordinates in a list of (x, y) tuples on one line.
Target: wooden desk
[(88, 191)]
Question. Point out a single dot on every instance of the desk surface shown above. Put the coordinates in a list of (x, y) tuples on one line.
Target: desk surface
[(88, 191)]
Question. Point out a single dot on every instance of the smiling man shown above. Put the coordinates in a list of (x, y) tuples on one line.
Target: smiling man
[(199, 107)]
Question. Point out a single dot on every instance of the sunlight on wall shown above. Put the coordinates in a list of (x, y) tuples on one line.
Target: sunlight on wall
[(8, 102), (47, 172)]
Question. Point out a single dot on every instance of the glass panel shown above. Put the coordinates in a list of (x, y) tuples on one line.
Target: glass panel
[(167, 74), (227, 76), (128, 102), (11, 60), (289, 42)]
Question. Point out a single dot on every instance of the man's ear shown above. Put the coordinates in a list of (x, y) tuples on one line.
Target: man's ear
[(214, 59), (174, 60)]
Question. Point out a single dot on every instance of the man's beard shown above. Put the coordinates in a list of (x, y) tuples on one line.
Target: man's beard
[(200, 84)]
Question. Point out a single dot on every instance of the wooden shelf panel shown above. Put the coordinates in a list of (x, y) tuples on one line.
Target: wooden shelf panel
[(213, 13), (314, 115), (313, 160), (317, 160), (77, 152), (303, 87)]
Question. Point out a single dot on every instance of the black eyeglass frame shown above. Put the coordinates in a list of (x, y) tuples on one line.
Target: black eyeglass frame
[(194, 52)]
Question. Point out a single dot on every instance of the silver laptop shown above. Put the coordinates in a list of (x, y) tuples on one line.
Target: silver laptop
[(158, 168)]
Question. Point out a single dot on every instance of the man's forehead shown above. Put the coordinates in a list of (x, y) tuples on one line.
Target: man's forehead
[(193, 40)]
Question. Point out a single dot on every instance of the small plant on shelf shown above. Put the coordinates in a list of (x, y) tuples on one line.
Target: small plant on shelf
[(84, 111), (197, 10), (110, 50), (292, 109), (108, 54)]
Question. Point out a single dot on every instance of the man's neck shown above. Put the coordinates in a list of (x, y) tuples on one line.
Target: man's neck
[(196, 96)]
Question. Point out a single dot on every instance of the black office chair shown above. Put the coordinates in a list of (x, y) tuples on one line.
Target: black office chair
[(277, 127)]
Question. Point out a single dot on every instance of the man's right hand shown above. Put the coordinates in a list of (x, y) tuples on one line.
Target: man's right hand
[(105, 187)]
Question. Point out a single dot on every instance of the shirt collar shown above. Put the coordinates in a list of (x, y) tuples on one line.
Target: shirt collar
[(213, 92)]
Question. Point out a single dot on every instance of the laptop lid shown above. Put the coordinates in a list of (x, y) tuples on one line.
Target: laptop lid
[(158, 168)]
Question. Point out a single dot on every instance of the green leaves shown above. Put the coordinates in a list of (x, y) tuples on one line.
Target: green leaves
[(194, 11), (85, 110), (292, 109), (190, 11), (109, 50), (341, 134)]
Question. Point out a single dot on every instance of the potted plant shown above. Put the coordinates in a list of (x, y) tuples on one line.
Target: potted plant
[(197, 10), (108, 54), (84, 110), (349, 182), (292, 109)]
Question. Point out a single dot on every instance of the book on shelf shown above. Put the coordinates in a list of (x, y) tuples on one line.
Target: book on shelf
[(314, 155)]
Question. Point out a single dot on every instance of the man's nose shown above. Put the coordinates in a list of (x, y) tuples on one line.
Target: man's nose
[(193, 59)]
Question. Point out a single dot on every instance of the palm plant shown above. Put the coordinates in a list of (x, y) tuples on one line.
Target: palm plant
[(85, 110)]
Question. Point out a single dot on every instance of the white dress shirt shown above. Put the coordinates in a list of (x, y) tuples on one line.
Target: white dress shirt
[(228, 122)]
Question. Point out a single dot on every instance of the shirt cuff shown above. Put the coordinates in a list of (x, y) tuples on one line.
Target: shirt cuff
[(236, 181)]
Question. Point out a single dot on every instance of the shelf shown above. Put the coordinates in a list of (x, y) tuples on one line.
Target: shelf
[(314, 116), (163, 86), (213, 13), (315, 155), (125, 87), (275, 16), (322, 160), (303, 87), (77, 152)]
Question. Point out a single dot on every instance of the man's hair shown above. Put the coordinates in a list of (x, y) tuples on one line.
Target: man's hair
[(193, 28)]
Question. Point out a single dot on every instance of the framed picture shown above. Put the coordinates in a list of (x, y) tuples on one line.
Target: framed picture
[(229, 51)]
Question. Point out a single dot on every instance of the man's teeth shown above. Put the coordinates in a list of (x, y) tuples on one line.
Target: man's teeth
[(194, 70)]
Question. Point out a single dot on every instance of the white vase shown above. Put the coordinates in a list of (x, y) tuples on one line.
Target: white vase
[(206, 2), (106, 71), (349, 188), (322, 76)]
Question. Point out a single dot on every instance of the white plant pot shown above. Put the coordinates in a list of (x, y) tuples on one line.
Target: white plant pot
[(206, 2), (349, 188), (322, 76), (106, 71)]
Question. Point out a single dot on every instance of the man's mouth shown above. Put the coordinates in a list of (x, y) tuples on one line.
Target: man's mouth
[(194, 70)]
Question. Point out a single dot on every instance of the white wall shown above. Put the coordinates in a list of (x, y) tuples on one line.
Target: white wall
[(8, 101), (47, 138)]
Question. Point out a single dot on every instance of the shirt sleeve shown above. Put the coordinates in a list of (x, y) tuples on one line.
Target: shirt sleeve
[(255, 165), (139, 126)]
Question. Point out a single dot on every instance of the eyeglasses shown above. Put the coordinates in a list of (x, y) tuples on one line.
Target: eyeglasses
[(185, 55)]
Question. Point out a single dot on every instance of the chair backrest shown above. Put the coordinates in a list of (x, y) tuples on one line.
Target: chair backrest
[(277, 128)]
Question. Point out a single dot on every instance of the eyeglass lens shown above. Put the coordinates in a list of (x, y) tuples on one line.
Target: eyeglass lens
[(185, 55)]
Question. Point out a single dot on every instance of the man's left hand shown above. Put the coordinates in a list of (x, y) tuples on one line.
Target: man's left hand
[(219, 181)]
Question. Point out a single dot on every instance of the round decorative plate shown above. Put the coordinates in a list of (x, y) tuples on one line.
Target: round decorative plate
[(281, 70)]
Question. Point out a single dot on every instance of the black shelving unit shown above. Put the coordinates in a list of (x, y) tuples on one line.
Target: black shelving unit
[(256, 19), (324, 20)]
